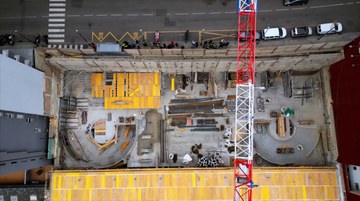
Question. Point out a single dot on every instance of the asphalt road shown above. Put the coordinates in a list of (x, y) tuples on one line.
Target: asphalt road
[(31, 16)]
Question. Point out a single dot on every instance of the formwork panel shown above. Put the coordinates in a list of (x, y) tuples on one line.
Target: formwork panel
[(193, 184), (97, 85), (133, 91)]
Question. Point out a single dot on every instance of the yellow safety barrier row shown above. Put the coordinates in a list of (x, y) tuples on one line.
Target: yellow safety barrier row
[(295, 184), (202, 35)]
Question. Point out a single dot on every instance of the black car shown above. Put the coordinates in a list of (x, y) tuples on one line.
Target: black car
[(295, 2)]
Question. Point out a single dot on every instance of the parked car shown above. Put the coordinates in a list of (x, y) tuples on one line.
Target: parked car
[(244, 36), (273, 33), (329, 28), (301, 31), (295, 2)]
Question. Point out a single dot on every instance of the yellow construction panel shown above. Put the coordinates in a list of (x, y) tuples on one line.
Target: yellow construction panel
[(97, 84), (120, 84), (156, 78), (131, 102), (109, 91), (133, 91), (156, 90), (193, 184), (115, 85)]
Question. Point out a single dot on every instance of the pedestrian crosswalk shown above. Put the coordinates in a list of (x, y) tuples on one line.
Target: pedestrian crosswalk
[(56, 23), (60, 46)]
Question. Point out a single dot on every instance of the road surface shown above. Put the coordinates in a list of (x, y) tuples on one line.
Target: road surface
[(31, 17)]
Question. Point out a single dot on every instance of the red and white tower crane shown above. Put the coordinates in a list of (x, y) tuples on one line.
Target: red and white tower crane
[(244, 116)]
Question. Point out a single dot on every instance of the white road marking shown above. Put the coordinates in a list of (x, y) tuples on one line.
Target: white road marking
[(57, 4), (198, 13), (56, 35), (147, 14), (57, 20), (102, 15), (132, 15), (30, 17), (56, 25), (168, 14), (10, 17), (56, 9), (73, 16), (358, 2), (300, 8), (285, 9), (214, 13), (350, 3), (181, 13), (56, 14), (264, 11), (56, 30), (230, 12), (115, 15), (56, 40), (88, 15), (325, 6)]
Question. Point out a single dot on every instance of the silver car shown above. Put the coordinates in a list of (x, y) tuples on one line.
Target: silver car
[(301, 32)]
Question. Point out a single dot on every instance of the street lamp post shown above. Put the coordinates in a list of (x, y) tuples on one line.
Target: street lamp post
[(82, 37), (21, 35), (90, 44)]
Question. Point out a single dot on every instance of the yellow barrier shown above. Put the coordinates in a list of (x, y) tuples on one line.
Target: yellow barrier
[(203, 35)]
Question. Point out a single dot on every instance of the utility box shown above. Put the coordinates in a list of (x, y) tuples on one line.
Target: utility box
[(108, 47)]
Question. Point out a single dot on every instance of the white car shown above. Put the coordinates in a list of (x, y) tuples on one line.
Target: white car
[(274, 33), (328, 28)]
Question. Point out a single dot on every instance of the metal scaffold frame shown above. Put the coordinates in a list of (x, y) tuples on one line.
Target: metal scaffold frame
[(244, 116)]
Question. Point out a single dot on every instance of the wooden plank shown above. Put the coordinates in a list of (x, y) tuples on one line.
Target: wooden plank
[(124, 145), (100, 131), (107, 144), (93, 141), (105, 150), (100, 125), (281, 126), (116, 133), (127, 131), (261, 121)]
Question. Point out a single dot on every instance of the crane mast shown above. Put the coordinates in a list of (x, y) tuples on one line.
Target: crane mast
[(244, 115)]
